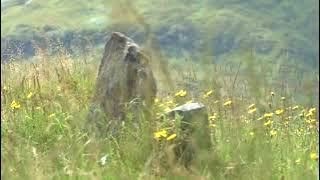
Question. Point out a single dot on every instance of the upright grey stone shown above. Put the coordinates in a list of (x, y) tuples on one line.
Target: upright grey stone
[(124, 74), (194, 126)]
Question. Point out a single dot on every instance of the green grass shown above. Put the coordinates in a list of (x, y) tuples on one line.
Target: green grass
[(44, 106), (45, 102)]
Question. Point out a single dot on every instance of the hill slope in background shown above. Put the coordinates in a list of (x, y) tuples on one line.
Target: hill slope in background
[(275, 29), (251, 63)]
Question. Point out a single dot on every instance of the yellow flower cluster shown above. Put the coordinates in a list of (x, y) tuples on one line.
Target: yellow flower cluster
[(213, 117), (51, 115), (311, 112), (29, 95), (161, 133), (228, 103), (15, 105), (273, 133), (314, 156), (164, 134), (164, 106), (207, 94), (252, 109), (268, 123), (156, 100), (251, 106), (268, 115), (181, 93), (295, 107), (279, 111)]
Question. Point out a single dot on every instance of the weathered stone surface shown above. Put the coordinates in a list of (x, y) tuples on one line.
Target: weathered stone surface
[(124, 74), (194, 125)]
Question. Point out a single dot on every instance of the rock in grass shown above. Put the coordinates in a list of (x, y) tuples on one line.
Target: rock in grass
[(124, 75), (194, 126)]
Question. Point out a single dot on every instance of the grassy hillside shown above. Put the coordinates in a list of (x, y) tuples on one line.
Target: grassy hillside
[(250, 62), (258, 130), (274, 29)]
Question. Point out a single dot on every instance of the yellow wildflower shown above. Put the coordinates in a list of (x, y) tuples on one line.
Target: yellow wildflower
[(167, 109), (156, 100), (227, 103), (295, 107), (251, 133), (207, 94), (299, 132), (279, 111), (213, 117), (312, 110), (252, 110), (29, 95), (268, 123), (51, 115), (314, 156), (309, 114), (260, 118), (288, 118), (15, 105), (267, 115), (310, 121), (251, 106), (273, 132), (181, 93), (158, 115), (38, 108), (213, 125), (170, 102), (159, 134), (171, 137)]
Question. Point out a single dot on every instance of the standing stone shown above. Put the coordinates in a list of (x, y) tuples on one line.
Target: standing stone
[(124, 74), (194, 126)]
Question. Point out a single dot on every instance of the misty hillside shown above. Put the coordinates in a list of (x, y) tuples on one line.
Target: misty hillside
[(160, 89), (275, 29)]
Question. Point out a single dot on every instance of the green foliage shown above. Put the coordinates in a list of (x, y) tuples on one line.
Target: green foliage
[(45, 102), (42, 132)]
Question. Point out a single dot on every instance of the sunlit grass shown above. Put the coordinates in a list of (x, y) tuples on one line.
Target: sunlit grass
[(44, 106), (258, 129)]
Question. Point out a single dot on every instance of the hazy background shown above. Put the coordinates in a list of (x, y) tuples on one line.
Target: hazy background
[(275, 29)]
